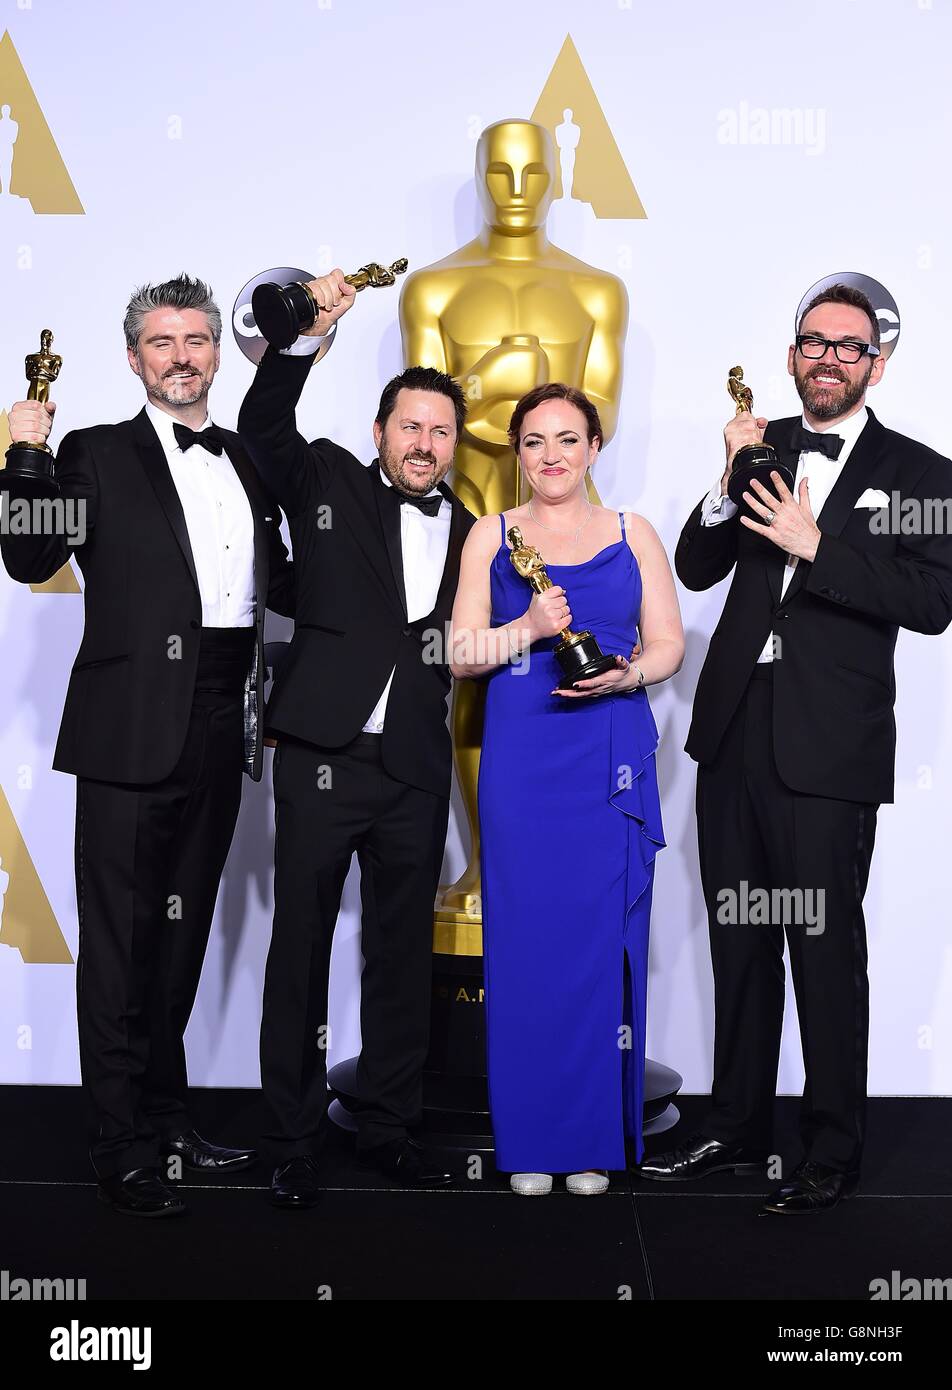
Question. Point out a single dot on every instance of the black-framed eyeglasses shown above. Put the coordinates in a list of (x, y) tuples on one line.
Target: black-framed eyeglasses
[(813, 348)]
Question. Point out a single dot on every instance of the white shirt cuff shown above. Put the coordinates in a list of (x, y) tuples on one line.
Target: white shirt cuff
[(306, 347), (716, 507)]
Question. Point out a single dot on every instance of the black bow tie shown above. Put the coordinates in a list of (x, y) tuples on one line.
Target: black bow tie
[(209, 439), (809, 441), (429, 506)]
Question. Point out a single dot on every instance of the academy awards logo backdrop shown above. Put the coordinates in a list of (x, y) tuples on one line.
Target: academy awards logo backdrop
[(31, 172), (27, 921), (592, 169), (32, 175), (31, 166)]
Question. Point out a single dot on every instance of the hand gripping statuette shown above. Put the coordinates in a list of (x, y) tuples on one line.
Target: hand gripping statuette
[(753, 460), (282, 312), (578, 653), (29, 470)]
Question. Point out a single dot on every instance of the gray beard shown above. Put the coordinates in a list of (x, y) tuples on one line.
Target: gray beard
[(158, 392)]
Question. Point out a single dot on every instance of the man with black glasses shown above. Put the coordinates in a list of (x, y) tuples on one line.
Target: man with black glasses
[(794, 734)]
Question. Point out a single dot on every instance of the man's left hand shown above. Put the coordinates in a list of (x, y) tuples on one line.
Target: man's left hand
[(791, 524)]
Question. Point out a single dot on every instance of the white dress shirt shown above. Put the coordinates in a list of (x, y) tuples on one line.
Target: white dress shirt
[(822, 473), (219, 523), (307, 347), (424, 540)]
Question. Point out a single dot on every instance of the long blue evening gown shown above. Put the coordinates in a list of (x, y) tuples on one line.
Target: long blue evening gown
[(570, 823)]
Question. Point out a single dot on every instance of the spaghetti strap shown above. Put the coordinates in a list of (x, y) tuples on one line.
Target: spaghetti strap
[(621, 518), (502, 526)]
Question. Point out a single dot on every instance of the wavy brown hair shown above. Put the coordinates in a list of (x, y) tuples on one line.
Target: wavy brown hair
[(554, 391)]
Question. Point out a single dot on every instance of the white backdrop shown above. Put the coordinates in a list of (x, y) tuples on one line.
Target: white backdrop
[(226, 138)]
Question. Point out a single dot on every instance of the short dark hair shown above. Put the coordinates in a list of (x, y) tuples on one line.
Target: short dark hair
[(845, 294), (555, 391), (422, 379)]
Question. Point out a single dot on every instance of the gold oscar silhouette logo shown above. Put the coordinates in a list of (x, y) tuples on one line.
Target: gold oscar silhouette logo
[(592, 169), (64, 581), (31, 167), (27, 921)]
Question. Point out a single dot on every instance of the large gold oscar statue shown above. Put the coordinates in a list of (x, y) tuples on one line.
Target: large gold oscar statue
[(506, 312)]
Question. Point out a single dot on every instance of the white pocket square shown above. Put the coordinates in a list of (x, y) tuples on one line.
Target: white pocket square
[(872, 497)]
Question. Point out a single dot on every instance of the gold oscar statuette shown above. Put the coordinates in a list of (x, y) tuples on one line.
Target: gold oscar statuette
[(753, 460), (578, 653), (505, 312), (29, 463), (281, 312)]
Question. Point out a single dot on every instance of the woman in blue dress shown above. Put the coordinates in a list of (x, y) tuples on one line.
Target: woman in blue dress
[(569, 814)]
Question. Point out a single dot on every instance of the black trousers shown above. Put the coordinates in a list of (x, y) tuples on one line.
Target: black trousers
[(149, 862), (754, 833), (330, 805)]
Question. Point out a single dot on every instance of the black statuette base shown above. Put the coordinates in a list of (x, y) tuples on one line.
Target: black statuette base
[(581, 660), (755, 461), (282, 312), (29, 472)]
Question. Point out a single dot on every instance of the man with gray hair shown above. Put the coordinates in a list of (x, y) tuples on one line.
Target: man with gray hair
[(181, 555)]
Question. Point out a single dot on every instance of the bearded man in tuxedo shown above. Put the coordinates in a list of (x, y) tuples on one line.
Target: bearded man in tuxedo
[(794, 735), (180, 556), (363, 764)]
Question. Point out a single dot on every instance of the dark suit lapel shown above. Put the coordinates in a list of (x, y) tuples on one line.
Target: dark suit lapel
[(779, 435), (388, 510), (838, 507), (157, 471)]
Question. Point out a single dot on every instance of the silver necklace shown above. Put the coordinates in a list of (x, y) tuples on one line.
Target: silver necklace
[(557, 531)]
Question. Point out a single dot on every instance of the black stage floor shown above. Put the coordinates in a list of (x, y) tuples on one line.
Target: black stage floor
[(367, 1240)]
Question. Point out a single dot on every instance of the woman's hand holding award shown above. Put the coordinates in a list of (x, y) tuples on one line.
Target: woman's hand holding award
[(578, 653)]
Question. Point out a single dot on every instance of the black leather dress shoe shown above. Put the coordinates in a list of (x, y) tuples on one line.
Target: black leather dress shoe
[(140, 1193), (810, 1187), (406, 1162), (197, 1153), (295, 1185), (698, 1156)]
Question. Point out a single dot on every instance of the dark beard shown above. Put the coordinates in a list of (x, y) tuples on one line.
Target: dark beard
[(393, 465), (823, 403)]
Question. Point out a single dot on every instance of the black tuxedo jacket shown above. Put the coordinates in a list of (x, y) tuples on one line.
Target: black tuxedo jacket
[(131, 688), (351, 627), (834, 686)]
